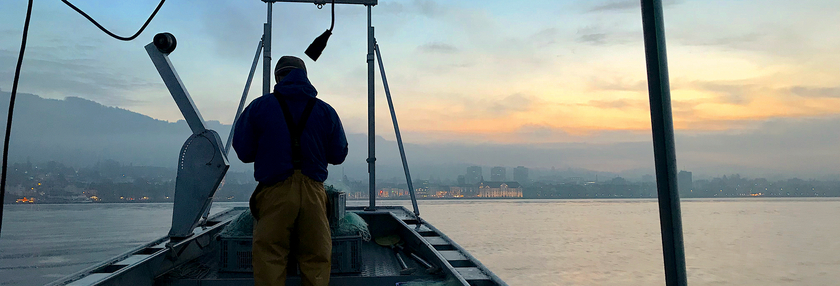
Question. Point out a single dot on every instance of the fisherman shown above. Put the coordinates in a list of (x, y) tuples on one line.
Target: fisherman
[(290, 136)]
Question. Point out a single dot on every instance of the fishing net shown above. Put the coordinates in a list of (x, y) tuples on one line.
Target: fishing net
[(243, 225), (350, 225)]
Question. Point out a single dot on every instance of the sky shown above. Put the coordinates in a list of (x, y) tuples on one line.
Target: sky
[(474, 72)]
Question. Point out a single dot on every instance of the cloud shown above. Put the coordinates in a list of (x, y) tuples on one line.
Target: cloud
[(88, 78), (428, 8), (545, 37), (616, 6), (438, 48), (540, 133), (598, 39), (616, 104), (390, 7), (9, 32), (804, 91), (601, 36), (231, 28), (734, 41), (732, 92), (513, 103), (617, 84)]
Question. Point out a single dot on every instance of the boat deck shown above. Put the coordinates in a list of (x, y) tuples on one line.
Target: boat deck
[(196, 261)]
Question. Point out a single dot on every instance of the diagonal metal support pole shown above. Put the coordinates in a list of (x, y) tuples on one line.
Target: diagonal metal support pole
[(396, 130), (665, 157), (235, 118), (244, 96)]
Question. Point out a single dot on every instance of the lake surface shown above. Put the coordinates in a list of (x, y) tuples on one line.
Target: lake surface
[(525, 242)]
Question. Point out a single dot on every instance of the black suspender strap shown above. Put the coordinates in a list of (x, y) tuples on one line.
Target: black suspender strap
[(295, 130)]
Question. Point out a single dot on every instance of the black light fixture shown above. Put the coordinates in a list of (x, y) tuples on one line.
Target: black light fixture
[(320, 43)]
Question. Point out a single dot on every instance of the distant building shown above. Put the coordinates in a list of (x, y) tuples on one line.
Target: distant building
[(498, 174), (462, 180), (684, 182), (520, 174), (473, 175), (499, 190)]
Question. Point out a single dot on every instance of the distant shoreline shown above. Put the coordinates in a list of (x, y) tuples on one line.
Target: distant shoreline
[(457, 199)]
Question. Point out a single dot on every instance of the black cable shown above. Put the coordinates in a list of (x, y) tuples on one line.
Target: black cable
[(11, 110), (109, 32), (332, 24)]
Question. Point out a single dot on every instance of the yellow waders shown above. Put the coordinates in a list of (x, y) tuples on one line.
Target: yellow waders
[(291, 213)]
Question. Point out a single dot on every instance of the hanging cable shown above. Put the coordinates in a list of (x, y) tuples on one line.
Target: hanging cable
[(332, 22), (11, 111), (109, 32)]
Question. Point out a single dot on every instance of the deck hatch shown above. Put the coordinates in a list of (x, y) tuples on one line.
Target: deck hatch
[(428, 233), (472, 273), (436, 240), (452, 255)]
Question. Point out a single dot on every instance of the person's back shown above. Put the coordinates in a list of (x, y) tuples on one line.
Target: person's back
[(290, 136)]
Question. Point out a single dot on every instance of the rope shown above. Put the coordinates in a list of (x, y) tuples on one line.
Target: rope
[(132, 37)]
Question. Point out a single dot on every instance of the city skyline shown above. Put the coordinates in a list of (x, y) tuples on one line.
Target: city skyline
[(113, 182)]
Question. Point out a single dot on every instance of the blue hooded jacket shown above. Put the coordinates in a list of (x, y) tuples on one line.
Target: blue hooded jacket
[(261, 135)]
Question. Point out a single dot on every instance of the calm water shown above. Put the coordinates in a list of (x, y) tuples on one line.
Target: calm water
[(530, 242)]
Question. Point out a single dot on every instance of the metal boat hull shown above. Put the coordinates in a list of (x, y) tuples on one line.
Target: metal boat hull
[(195, 260)]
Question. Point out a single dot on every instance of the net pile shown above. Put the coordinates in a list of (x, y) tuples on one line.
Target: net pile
[(243, 225), (350, 225)]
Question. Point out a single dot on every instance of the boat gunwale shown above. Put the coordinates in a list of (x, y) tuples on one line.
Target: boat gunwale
[(466, 253), (77, 276)]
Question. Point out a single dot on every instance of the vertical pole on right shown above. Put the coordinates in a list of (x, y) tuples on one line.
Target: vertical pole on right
[(371, 160), (665, 157), (267, 51)]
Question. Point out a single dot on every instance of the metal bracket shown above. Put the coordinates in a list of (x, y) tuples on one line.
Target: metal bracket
[(202, 163)]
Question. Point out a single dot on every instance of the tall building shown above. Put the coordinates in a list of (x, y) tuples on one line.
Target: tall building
[(498, 174), (684, 182), (462, 180), (473, 175), (520, 174)]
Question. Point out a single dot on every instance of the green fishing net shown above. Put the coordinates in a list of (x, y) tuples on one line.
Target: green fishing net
[(243, 225), (349, 225)]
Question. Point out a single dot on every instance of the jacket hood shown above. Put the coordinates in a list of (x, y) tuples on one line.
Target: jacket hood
[(296, 83)]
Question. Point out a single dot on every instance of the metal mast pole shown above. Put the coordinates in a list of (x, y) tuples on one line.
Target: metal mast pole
[(663, 143), (397, 131), (267, 52), (371, 160)]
